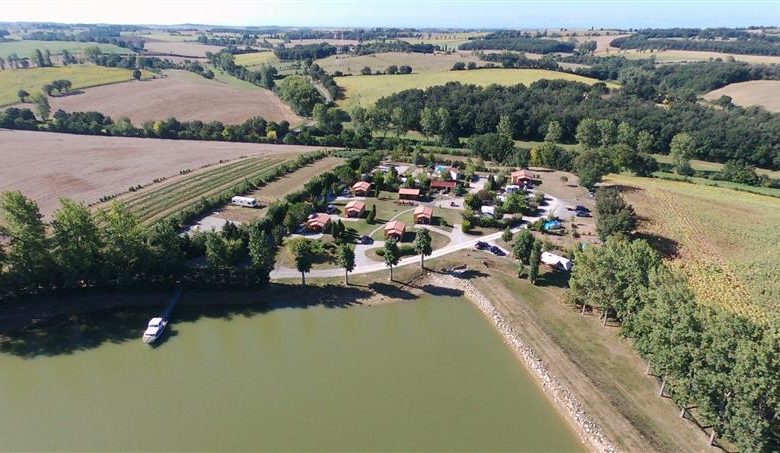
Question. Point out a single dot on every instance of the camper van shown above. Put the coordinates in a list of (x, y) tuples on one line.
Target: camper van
[(246, 202)]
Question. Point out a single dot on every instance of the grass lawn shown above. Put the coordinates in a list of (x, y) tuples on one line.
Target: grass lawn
[(82, 76), (420, 62), (326, 259), (27, 48), (437, 241), (769, 191), (256, 58), (366, 90)]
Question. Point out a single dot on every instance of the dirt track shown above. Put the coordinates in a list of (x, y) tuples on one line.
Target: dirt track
[(46, 166)]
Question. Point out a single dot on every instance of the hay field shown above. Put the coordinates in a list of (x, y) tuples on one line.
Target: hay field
[(420, 63), (683, 56), (82, 76), (765, 93), (46, 166), (712, 166), (366, 90), (27, 48), (256, 58), (725, 241), (181, 48), (183, 95)]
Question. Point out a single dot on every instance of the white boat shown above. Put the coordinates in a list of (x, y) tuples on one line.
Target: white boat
[(154, 330)]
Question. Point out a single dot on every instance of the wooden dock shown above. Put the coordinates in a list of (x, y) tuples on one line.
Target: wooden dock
[(166, 314)]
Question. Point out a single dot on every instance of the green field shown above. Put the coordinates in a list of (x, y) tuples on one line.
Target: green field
[(703, 165), (27, 48), (256, 59), (162, 200), (31, 80), (451, 40), (366, 90)]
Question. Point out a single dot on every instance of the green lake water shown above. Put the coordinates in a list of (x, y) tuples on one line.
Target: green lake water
[(430, 374)]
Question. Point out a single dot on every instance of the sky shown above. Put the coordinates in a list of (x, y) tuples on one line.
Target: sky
[(402, 13)]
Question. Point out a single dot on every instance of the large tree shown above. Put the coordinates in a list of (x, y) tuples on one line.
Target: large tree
[(346, 260), (524, 243), (77, 243), (29, 254), (534, 261), (681, 150), (304, 257), (422, 245), (590, 166), (262, 252), (614, 215), (391, 254), (123, 237)]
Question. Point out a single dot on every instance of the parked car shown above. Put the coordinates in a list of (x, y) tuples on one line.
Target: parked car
[(331, 209), (481, 245), (579, 207), (579, 213), (366, 239), (496, 250)]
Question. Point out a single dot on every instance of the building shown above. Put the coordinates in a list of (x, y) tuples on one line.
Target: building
[(355, 208), (318, 222), (423, 214), (361, 188), (444, 186), (395, 230), (408, 194), (488, 211), (556, 262), (522, 177)]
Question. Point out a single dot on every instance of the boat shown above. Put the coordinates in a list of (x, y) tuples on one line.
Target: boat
[(154, 329)]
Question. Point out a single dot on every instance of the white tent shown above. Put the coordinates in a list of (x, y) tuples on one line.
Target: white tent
[(554, 260)]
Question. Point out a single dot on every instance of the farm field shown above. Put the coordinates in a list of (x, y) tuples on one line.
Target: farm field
[(420, 63), (181, 48), (82, 76), (679, 56), (451, 40), (765, 93), (27, 48), (724, 240), (256, 59), (704, 165), (183, 95), (602, 41), (47, 165), (366, 90)]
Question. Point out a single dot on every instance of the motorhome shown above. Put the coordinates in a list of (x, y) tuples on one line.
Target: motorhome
[(246, 202)]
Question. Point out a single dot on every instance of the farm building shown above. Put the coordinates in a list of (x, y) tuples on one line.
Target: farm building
[(444, 186), (318, 222), (408, 194), (522, 177), (355, 208), (556, 262), (395, 230), (423, 214), (361, 188)]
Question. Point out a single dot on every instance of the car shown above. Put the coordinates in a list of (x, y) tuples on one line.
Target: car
[(481, 245), (332, 209), (366, 239), (581, 208), (496, 250), (579, 213)]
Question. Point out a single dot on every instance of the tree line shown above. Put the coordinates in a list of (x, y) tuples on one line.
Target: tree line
[(511, 41), (747, 46)]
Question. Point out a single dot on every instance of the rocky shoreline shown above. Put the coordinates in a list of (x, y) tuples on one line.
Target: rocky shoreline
[(587, 428)]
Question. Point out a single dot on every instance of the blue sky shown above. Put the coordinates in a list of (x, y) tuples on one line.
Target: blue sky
[(402, 13)]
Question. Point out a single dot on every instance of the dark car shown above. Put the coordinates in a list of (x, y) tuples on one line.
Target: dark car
[(581, 208), (496, 250), (331, 209), (366, 239), (481, 245), (579, 213)]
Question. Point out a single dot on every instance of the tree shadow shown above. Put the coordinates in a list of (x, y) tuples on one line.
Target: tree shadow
[(557, 279), (667, 247), (392, 291)]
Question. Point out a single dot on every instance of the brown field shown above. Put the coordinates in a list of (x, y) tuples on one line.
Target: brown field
[(184, 49), (419, 62), (46, 166), (183, 95), (333, 42), (682, 56), (602, 42), (278, 189), (765, 93)]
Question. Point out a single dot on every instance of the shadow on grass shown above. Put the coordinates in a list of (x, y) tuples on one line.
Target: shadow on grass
[(665, 246)]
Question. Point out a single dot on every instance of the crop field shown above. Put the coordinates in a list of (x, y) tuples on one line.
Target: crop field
[(82, 76), (47, 165), (725, 241), (183, 95), (420, 63), (256, 59), (27, 48), (161, 200), (765, 93), (451, 40), (681, 56), (703, 165), (366, 90), (181, 48)]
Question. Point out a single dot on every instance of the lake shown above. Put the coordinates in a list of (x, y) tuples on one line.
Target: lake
[(429, 374)]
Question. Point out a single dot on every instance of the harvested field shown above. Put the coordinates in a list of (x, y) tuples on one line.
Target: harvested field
[(681, 56), (278, 189), (366, 90), (82, 76), (602, 41), (451, 40), (333, 42), (420, 63), (704, 165), (724, 240), (181, 48), (765, 93), (46, 166), (183, 95)]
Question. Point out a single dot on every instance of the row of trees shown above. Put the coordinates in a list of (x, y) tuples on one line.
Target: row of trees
[(499, 41), (750, 46)]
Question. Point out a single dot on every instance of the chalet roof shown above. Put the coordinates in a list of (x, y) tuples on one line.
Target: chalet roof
[(362, 185), (407, 191), (356, 204), (443, 184), (525, 174), (425, 211), (395, 227), (320, 220)]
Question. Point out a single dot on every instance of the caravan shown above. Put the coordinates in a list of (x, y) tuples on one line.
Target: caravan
[(246, 202)]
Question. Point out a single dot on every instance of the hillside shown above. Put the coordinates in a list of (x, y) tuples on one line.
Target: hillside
[(764, 93)]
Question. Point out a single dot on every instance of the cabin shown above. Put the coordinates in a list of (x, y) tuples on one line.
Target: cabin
[(361, 188), (556, 262), (423, 214), (318, 222), (395, 230), (489, 211), (355, 208), (408, 194), (443, 186), (522, 178)]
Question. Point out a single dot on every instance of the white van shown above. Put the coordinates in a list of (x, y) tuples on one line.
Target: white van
[(246, 202)]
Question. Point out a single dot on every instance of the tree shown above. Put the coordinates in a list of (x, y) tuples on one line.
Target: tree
[(47, 58), (371, 215), (505, 127), (534, 261), (38, 58), (429, 122), (300, 94), (29, 254), (681, 150), (391, 254), (405, 69), (76, 243), (644, 142), (607, 131), (590, 166), (347, 260), (523, 246), (22, 94), (614, 215), (392, 69), (124, 253), (554, 132), (262, 252), (137, 74), (507, 235), (365, 71), (422, 245), (304, 256), (458, 66), (588, 135), (42, 105), (626, 134)]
